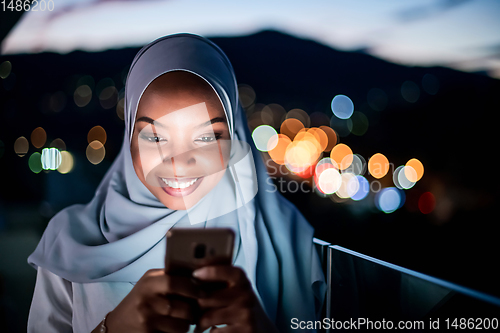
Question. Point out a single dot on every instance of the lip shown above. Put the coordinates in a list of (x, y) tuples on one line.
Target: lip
[(179, 192)]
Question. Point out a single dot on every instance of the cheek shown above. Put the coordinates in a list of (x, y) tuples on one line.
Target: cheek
[(210, 181), (212, 163), (148, 159)]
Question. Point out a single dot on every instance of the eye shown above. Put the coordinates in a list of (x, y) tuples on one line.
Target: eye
[(152, 138), (206, 138)]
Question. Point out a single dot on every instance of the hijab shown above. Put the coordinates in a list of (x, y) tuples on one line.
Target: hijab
[(120, 233)]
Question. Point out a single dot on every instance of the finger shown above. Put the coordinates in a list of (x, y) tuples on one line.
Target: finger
[(227, 329), (231, 274), (219, 316), (163, 284), (227, 297), (169, 324), (173, 307)]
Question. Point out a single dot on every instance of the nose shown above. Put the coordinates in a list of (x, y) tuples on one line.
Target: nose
[(181, 161)]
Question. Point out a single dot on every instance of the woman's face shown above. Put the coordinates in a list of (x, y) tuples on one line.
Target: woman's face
[(181, 142)]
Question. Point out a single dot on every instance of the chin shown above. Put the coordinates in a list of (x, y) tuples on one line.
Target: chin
[(175, 205), (179, 203)]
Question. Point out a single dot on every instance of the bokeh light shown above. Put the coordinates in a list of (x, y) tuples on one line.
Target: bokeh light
[(53, 103), (58, 143), (358, 123), (306, 135), (120, 105), (325, 163), (262, 137), (290, 127), (342, 106), (418, 167), (358, 165), (276, 112), (363, 188), (340, 126), (320, 137), (329, 181), (278, 152), (430, 83), (35, 162), (97, 133), (38, 137), (82, 95), (246, 94), (319, 119), (258, 118), (410, 91), (95, 152), (395, 177), (426, 203), (5, 69), (21, 146), (108, 97), (51, 158), (403, 181), (300, 115), (378, 165), (342, 155), (300, 155), (388, 200), (86, 80), (349, 185), (332, 137), (67, 162)]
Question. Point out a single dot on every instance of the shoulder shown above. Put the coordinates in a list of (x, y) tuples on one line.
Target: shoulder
[(52, 303), (53, 282)]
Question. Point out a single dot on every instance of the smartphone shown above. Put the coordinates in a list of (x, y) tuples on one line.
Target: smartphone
[(189, 249)]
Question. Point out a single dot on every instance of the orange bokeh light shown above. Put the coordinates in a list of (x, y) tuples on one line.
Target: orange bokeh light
[(290, 127), (320, 136), (332, 137), (378, 165), (278, 152), (342, 155), (419, 170)]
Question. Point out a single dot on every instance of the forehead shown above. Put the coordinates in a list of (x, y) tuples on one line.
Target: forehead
[(175, 91)]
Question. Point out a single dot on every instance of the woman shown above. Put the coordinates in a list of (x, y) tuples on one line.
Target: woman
[(187, 160)]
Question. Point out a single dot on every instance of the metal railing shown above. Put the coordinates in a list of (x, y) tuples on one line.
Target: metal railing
[(376, 283)]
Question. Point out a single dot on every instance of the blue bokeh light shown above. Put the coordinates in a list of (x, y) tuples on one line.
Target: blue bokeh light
[(388, 200), (363, 189), (342, 106)]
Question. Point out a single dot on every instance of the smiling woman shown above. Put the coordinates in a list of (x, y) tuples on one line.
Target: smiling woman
[(187, 161), (180, 121)]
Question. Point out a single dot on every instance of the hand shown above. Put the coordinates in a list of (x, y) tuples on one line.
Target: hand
[(158, 302), (236, 305)]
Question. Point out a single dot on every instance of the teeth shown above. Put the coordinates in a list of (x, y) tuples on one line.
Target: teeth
[(176, 184)]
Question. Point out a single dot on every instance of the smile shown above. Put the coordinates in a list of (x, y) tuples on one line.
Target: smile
[(179, 187), (177, 183)]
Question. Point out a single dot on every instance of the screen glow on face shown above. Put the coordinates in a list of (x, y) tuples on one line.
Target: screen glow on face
[(181, 155)]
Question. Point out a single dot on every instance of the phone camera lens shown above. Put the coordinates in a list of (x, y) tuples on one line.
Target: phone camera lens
[(199, 251)]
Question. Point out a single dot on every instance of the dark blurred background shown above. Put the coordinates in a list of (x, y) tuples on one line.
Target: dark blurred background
[(441, 116)]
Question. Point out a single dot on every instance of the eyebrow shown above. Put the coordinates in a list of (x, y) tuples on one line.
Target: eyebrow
[(210, 122)]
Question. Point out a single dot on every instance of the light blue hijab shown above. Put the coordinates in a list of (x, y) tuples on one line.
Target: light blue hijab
[(120, 233)]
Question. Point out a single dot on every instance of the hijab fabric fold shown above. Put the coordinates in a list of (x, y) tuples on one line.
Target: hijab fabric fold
[(120, 233)]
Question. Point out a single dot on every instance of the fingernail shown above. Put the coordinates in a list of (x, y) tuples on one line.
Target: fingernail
[(199, 273)]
